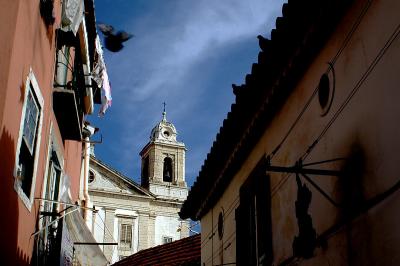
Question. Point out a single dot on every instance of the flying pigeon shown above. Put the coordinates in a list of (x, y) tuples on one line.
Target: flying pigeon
[(113, 41)]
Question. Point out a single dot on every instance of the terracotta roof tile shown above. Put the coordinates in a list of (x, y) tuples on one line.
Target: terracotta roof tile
[(183, 252)]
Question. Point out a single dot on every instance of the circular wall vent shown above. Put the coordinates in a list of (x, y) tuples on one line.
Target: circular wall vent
[(326, 90), (221, 224), (323, 91)]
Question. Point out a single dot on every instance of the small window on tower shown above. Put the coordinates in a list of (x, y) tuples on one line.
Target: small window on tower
[(145, 171), (167, 170)]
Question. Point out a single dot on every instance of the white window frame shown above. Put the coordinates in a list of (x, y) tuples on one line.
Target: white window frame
[(52, 145), (130, 217), (31, 80), (127, 224)]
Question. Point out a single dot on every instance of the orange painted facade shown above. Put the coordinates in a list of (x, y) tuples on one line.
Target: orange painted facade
[(28, 48)]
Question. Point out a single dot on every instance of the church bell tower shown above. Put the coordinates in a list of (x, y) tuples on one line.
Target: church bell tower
[(163, 163)]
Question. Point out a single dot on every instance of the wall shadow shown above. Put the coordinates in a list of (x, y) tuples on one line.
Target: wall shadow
[(11, 254)]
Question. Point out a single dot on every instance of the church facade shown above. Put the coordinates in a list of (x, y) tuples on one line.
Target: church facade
[(134, 216)]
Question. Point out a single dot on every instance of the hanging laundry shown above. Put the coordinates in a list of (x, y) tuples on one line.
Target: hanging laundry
[(106, 98), (72, 15), (99, 64)]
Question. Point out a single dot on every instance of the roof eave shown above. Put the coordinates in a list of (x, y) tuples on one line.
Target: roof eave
[(213, 179)]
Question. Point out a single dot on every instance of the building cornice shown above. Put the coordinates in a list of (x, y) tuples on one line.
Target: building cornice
[(164, 144), (118, 174), (105, 193), (120, 194)]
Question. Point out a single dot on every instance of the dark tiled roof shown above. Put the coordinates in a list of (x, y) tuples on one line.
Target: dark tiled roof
[(299, 35), (183, 252)]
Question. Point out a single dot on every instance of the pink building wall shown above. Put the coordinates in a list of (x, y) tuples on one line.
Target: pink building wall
[(26, 43)]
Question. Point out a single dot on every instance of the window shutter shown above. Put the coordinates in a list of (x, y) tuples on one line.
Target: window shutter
[(129, 235), (253, 220), (245, 227), (264, 230), (125, 239)]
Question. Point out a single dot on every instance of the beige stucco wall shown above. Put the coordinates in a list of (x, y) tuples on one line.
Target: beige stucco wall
[(366, 130)]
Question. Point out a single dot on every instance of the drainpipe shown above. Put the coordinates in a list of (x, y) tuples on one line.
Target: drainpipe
[(86, 196), (88, 131)]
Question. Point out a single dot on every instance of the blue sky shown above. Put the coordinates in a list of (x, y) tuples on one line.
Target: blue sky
[(186, 53)]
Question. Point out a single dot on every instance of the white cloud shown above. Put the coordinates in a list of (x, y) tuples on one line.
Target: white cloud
[(158, 65), (164, 55)]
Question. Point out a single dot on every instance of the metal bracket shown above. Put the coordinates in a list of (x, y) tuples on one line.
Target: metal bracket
[(68, 86), (94, 141), (298, 168), (52, 214), (96, 243)]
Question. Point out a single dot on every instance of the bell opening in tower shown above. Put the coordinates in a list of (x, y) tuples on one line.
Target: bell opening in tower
[(145, 172), (167, 170)]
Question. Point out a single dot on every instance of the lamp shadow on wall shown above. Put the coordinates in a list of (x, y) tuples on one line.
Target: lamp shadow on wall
[(352, 189), (352, 182)]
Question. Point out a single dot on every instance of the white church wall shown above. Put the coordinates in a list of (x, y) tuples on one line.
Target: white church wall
[(119, 201), (136, 236), (116, 238), (128, 213), (169, 192), (98, 226), (166, 227), (89, 219)]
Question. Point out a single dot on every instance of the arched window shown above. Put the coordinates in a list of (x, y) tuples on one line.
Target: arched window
[(145, 172), (167, 170)]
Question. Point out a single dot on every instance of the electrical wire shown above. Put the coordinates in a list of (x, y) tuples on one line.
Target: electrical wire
[(229, 239), (276, 188), (331, 64), (355, 89), (344, 104), (68, 64), (112, 236), (52, 222), (102, 228), (229, 210), (335, 58)]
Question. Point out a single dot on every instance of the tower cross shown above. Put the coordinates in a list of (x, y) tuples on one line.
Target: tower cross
[(164, 113)]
